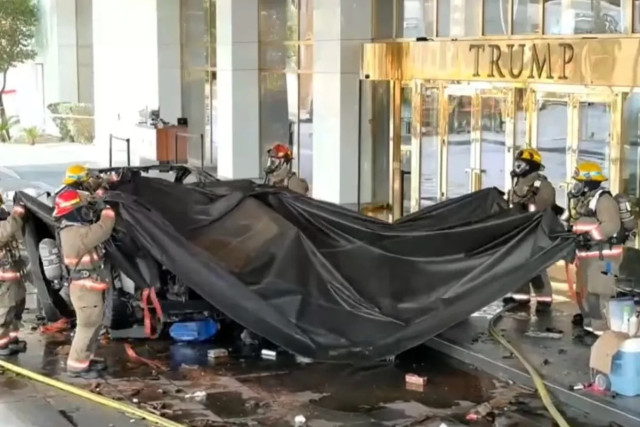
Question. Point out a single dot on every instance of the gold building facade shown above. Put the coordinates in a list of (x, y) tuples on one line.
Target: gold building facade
[(561, 77)]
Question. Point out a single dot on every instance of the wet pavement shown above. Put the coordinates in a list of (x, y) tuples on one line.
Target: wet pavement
[(246, 390)]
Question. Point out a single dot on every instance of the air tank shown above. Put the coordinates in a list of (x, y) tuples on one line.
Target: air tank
[(626, 215), (50, 256)]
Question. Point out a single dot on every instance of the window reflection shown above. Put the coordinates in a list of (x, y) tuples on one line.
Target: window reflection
[(459, 18), (631, 162), (526, 16), (286, 79), (419, 18), (594, 133), (585, 17), (459, 146), (552, 143), (429, 188), (492, 147), (496, 17)]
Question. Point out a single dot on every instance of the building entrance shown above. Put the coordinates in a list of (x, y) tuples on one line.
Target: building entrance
[(570, 128), (463, 138)]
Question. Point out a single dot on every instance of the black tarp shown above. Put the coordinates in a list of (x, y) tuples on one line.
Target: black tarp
[(326, 282)]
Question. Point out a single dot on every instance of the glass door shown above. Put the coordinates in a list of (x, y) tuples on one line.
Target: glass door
[(571, 128), (421, 159), (594, 132), (460, 171), (497, 133), (552, 140)]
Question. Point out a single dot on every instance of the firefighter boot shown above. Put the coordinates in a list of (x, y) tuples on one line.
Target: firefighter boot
[(541, 285), (594, 322), (18, 345), (88, 373), (522, 296), (98, 364)]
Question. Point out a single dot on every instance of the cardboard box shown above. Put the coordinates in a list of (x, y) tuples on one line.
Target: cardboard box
[(604, 349)]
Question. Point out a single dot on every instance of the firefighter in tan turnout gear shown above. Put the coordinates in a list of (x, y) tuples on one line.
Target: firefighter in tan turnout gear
[(597, 220), (532, 192), (81, 246), (12, 288), (278, 170)]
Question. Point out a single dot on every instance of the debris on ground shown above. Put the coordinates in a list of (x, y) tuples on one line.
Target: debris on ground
[(299, 421), (218, 354), (268, 354), (197, 396), (415, 382), (479, 412), (63, 350), (158, 408), (553, 335)]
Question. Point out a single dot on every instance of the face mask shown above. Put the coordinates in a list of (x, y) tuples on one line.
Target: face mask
[(272, 164), (520, 167), (577, 189)]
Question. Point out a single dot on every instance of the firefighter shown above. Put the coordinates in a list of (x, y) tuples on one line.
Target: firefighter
[(81, 245), (278, 170), (531, 191), (77, 177), (12, 288), (597, 221)]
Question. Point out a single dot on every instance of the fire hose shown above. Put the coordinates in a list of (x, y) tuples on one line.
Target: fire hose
[(535, 376), (101, 400)]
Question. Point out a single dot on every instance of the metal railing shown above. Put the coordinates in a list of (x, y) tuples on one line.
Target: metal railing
[(112, 137)]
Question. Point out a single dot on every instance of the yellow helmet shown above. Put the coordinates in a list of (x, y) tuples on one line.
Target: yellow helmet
[(75, 173), (589, 171), (530, 154)]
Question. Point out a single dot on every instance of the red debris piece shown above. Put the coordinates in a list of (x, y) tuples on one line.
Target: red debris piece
[(415, 379)]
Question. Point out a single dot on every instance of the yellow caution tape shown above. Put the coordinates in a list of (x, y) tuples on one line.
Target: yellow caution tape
[(101, 400)]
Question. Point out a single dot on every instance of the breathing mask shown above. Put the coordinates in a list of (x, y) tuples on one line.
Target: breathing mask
[(520, 168), (580, 188), (272, 164)]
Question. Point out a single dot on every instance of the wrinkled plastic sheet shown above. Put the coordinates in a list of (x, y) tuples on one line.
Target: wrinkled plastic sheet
[(325, 282)]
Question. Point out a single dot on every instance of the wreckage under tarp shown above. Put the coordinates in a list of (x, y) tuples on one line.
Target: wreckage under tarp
[(326, 282)]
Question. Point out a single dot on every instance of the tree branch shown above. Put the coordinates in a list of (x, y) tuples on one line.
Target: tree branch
[(4, 81)]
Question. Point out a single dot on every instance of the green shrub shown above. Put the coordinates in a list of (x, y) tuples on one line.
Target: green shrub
[(74, 129), (83, 126), (32, 133), (61, 122), (6, 125)]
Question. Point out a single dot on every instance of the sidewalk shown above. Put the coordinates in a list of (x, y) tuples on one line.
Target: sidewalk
[(57, 153)]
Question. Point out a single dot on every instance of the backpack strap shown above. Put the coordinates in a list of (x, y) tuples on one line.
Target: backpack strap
[(594, 200)]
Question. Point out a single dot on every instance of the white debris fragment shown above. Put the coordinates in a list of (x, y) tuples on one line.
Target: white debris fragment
[(300, 420), (198, 395)]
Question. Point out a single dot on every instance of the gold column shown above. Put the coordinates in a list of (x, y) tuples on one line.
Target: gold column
[(531, 119), (573, 137), (618, 136), (416, 144), (475, 172), (395, 154), (443, 152), (508, 110)]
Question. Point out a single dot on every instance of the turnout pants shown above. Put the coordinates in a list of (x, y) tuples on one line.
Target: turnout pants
[(12, 302), (89, 306), (542, 290), (596, 288)]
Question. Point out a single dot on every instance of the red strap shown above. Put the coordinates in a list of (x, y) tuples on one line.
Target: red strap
[(148, 326), (135, 358), (53, 328), (570, 269)]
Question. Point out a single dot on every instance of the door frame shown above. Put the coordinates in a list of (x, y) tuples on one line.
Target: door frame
[(508, 106), (615, 100)]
